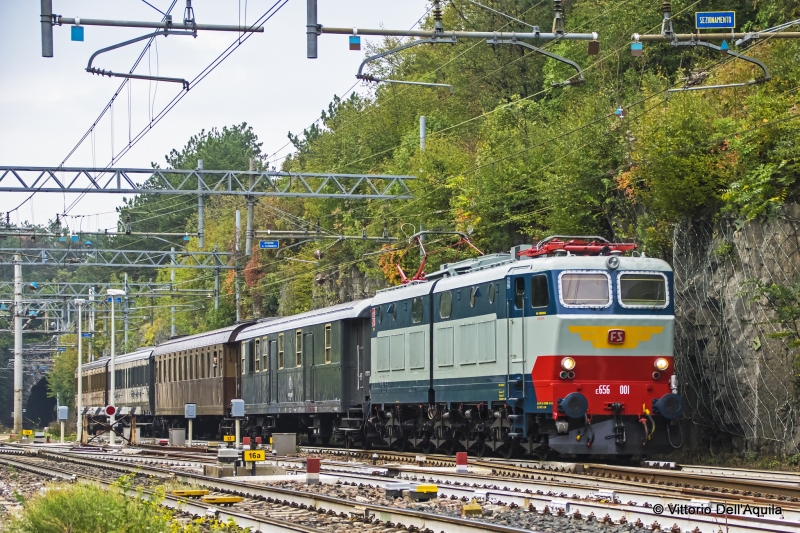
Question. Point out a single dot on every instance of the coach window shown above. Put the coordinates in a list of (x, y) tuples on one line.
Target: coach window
[(264, 354), (417, 310), (215, 363), (446, 304), (298, 348), (244, 355), (328, 343), (257, 356), (190, 361), (540, 294), (280, 352), (519, 292)]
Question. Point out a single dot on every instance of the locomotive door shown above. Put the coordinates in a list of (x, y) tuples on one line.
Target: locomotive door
[(308, 366), (516, 290)]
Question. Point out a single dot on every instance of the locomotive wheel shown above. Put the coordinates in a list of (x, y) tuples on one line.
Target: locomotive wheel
[(480, 450), (427, 447), (449, 447), (508, 451)]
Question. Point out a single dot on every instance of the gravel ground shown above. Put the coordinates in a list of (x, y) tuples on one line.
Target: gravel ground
[(511, 515)]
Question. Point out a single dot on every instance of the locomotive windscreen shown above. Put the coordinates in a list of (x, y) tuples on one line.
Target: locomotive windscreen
[(585, 289), (643, 290)]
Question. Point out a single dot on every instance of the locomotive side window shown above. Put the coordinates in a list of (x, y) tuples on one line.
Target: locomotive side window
[(643, 290), (540, 294), (492, 292), (446, 304), (298, 348), (392, 311), (585, 289), (328, 343), (417, 310), (280, 351), (519, 292), (474, 292)]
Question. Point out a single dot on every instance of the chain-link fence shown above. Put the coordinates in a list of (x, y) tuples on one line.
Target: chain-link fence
[(737, 284)]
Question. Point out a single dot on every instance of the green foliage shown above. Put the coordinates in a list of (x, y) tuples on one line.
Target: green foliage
[(88, 509), (61, 380), (784, 301)]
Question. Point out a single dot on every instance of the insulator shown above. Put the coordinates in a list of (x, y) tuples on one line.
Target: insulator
[(437, 11), (666, 7)]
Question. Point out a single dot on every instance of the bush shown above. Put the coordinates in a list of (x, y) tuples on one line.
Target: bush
[(88, 509)]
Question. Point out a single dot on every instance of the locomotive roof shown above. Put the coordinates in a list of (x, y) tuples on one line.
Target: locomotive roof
[(355, 309), (208, 338), (500, 271)]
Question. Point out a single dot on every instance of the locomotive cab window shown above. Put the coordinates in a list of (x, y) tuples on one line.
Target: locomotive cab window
[(417, 310), (446, 304), (585, 289), (328, 344), (540, 294), (643, 290)]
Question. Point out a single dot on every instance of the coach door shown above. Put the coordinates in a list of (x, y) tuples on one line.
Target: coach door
[(517, 290), (273, 376), (308, 366)]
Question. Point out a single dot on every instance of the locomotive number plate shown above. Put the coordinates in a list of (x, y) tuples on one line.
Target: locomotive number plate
[(603, 389), (229, 438), (616, 336)]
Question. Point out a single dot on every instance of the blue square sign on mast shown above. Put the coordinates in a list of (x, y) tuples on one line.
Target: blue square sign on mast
[(269, 245), (715, 20)]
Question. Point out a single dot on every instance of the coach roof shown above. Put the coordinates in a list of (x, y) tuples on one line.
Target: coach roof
[(355, 309), (201, 340)]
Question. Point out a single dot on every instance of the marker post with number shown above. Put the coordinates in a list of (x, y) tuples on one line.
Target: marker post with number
[(251, 456)]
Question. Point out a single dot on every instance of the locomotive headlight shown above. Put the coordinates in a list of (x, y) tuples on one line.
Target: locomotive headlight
[(661, 364), (568, 363)]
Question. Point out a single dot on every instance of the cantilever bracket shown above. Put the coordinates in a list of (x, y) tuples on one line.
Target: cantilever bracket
[(762, 66), (166, 32), (580, 79), (434, 40)]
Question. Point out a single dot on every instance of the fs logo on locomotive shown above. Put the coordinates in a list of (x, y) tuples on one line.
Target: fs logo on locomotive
[(616, 336)]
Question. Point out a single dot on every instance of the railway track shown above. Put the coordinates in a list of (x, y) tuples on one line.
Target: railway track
[(553, 489), (324, 512)]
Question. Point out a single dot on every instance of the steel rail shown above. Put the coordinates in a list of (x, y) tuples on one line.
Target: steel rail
[(222, 514), (408, 518), (632, 502)]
